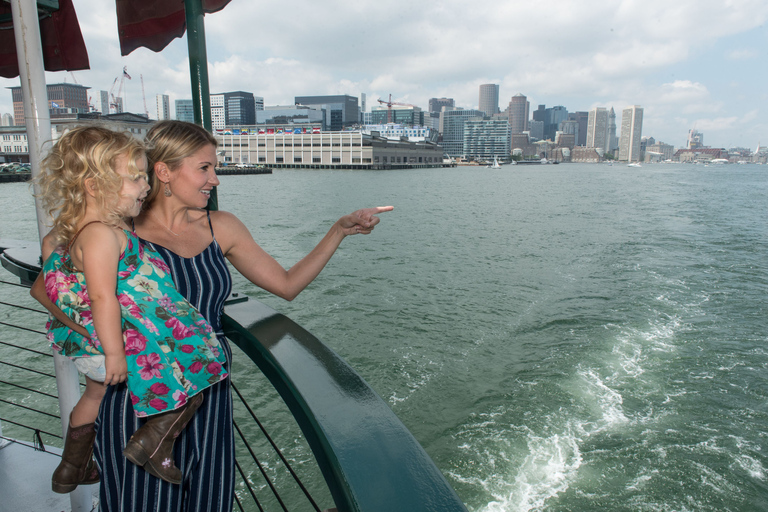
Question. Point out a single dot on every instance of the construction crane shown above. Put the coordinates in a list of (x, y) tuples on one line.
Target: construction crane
[(146, 112), (113, 99), (389, 107)]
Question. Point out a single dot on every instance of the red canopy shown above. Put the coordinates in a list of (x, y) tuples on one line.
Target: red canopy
[(149, 23), (63, 46), (152, 23)]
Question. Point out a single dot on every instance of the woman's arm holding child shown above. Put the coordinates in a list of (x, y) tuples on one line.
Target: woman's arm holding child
[(38, 290)]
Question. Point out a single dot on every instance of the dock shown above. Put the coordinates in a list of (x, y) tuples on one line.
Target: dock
[(232, 170), (14, 177)]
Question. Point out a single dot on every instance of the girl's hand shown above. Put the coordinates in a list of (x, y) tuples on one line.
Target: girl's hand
[(117, 369), (362, 221)]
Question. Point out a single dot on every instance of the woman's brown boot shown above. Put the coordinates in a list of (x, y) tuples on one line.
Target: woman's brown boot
[(76, 467), (151, 446)]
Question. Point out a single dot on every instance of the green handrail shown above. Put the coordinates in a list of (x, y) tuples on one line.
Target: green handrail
[(369, 459)]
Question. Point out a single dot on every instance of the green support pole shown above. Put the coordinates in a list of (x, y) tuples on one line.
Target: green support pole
[(198, 72)]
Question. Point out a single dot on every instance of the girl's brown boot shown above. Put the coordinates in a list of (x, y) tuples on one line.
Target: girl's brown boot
[(77, 466), (151, 446)]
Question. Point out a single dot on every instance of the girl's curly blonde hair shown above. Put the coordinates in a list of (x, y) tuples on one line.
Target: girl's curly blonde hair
[(86, 152)]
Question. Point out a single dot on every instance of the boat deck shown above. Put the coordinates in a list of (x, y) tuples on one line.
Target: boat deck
[(25, 480)]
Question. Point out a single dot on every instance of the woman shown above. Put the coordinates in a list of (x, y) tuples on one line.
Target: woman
[(194, 244)]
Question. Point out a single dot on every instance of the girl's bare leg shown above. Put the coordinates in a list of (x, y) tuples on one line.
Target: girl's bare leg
[(87, 408)]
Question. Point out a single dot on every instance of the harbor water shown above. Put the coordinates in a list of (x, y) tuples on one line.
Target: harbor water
[(574, 337)]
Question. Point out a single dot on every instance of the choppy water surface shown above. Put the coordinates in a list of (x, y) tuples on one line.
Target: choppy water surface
[(571, 337)]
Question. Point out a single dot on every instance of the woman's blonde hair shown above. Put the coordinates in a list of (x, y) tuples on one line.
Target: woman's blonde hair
[(170, 142), (83, 153)]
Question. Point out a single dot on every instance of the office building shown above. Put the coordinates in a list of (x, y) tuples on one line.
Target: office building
[(597, 129), (7, 120), (695, 139), (536, 129), (63, 100), (518, 111), (409, 116), (489, 99), (486, 139), (103, 106), (631, 133), (291, 114), (436, 104), (236, 108), (342, 109), (185, 111), (582, 119), (453, 129), (551, 119), (570, 127), (163, 105), (218, 112), (613, 140)]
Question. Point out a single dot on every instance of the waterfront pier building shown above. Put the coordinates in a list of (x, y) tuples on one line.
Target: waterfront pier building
[(327, 150)]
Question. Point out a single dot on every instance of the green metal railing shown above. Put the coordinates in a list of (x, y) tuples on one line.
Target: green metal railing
[(368, 458)]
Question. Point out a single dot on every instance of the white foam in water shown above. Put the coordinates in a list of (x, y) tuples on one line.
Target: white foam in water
[(552, 463), (545, 472)]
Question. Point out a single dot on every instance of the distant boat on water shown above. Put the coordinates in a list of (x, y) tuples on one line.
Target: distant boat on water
[(634, 164), (495, 164)]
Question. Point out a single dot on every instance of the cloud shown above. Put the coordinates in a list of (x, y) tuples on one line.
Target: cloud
[(575, 53), (743, 54)]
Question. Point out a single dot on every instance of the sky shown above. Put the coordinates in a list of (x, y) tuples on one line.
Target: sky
[(690, 64)]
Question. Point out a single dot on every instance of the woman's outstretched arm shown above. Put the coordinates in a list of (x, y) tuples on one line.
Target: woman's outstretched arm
[(264, 271)]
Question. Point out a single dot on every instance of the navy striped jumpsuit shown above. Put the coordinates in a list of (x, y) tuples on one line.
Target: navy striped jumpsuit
[(204, 452)]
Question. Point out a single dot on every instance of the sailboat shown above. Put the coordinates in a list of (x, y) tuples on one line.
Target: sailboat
[(495, 164)]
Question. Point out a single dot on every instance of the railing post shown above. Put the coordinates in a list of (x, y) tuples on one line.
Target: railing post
[(26, 28)]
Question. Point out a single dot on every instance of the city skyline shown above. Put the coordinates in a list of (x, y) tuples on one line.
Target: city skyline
[(691, 65)]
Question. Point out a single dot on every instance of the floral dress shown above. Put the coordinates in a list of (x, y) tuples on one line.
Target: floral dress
[(171, 351)]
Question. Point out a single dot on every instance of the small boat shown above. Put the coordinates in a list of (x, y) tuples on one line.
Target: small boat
[(634, 164), (494, 165)]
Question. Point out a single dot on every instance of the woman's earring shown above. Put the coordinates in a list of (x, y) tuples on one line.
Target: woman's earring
[(167, 191)]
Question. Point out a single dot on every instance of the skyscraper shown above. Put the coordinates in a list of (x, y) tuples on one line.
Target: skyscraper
[(453, 129), (489, 99), (163, 107), (236, 108), (185, 111), (631, 133), (104, 102), (436, 104), (597, 128), (613, 141), (518, 113)]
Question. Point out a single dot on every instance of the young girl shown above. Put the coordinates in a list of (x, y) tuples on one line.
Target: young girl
[(140, 329)]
